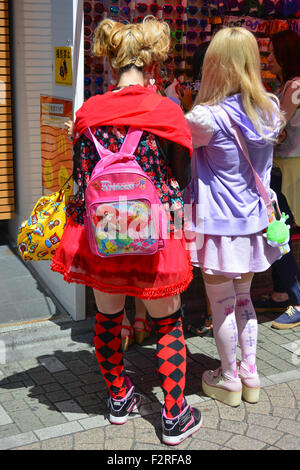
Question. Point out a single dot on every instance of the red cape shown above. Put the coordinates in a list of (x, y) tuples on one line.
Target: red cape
[(135, 106)]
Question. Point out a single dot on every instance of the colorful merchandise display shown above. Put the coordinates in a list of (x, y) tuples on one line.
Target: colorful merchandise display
[(192, 22)]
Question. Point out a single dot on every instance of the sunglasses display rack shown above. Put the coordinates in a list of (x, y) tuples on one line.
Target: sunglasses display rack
[(191, 23), (189, 27), (96, 72)]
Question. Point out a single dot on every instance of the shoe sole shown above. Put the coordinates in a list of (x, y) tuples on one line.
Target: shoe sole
[(250, 394), (174, 440), (284, 326), (221, 394)]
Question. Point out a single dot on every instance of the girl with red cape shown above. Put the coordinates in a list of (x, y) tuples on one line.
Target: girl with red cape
[(164, 151)]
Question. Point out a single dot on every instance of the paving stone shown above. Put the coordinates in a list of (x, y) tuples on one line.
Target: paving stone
[(9, 430), (201, 444), (262, 420), (50, 417), (14, 405), (26, 420), (283, 402), (290, 427), (215, 435), (35, 446), (41, 377), (19, 440), (52, 364), (94, 422), (287, 413), (52, 387), (89, 399), (6, 396), (61, 443), (71, 410), (59, 395), (57, 431), (288, 442), (244, 443), (235, 427), (263, 434), (295, 387), (65, 377)]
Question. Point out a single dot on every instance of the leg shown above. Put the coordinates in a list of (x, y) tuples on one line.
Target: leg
[(171, 350), (246, 321), (141, 325), (221, 295), (179, 419), (223, 384), (285, 272), (108, 341), (247, 331)]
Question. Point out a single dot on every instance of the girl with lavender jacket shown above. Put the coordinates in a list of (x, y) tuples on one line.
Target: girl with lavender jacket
[(229, 216)]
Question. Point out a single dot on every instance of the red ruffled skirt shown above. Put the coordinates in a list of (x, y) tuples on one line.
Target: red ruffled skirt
[(164, 274)]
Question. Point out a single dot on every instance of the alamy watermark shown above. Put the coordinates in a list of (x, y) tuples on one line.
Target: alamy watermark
[(296, 93), (138, 220)]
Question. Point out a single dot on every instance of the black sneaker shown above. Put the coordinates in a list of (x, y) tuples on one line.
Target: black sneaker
[(176, 430), (119, 410)]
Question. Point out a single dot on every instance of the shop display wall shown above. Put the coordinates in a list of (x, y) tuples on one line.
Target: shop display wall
[(191, 22)]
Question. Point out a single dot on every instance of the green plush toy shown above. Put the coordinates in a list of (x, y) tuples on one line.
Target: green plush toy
[(278, 233)]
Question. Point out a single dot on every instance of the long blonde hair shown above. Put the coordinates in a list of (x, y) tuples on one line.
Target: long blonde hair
[(232, 65), (139, 44)]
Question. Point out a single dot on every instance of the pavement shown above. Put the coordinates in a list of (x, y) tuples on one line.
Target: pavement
[(53, 397)]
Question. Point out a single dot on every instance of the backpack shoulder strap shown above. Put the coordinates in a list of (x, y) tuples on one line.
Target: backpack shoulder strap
[(131, 141), (129, 145), (103, 152), (233, 127)]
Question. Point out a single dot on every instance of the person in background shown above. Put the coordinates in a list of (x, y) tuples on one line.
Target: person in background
[(284, 62), (229, 245), (204, 327), (164, 153)]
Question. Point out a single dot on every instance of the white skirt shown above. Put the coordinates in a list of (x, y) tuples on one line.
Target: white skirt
[(232, 256)]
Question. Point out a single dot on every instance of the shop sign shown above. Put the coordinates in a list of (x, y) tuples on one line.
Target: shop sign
[(63, 66), (56, 147)]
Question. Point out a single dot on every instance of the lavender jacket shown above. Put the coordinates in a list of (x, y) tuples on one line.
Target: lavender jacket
[(223, 189)]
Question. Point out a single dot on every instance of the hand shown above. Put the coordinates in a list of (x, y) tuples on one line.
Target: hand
[(70, 128), (282, 136), (187, 99)]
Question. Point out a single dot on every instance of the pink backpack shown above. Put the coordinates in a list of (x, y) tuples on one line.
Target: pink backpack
[(124, 215)]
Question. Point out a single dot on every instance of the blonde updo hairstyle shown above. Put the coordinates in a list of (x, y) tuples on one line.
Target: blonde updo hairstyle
[(139, 44)]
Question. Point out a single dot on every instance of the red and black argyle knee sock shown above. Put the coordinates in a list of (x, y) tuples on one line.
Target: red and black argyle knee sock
[(108, 344), (171, 361)]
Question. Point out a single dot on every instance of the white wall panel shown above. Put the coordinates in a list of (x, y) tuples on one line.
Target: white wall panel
[(37, 27)]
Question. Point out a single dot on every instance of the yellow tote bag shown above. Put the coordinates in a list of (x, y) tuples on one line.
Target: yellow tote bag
[(39, 236)]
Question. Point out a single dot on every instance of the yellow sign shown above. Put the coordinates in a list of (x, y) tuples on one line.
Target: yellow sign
[(63, 66), (56, 147)]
